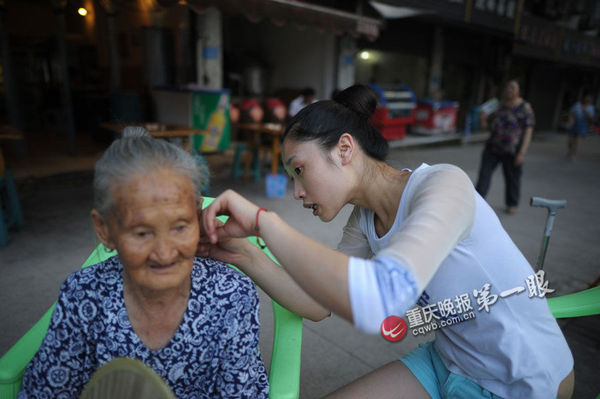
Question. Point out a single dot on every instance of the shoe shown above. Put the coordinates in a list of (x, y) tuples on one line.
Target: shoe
[(511, 210)]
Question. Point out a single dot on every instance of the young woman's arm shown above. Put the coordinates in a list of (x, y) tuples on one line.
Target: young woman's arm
[(272, 278), (320, 271), (440, 214)]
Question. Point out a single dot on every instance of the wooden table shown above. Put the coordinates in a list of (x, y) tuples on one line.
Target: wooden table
[(159, 130), (273, 130)]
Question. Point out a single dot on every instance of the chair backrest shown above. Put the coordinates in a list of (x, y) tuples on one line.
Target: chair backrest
[(284, 370)]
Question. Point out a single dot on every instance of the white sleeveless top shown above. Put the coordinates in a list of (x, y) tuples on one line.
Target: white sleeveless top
[(446, 241)]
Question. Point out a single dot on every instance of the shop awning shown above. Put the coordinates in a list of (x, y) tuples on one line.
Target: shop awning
[(299, 13), (389, 11)]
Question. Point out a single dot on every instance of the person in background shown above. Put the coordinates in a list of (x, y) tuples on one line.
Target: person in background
[(414, 237), (488, 107), (307, 96), (581, 117), (194, 321), (511, 127)]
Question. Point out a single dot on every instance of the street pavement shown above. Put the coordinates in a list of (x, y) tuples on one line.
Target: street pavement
[(58, 236)]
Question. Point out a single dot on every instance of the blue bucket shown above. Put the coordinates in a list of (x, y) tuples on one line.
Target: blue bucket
[(276, 185)]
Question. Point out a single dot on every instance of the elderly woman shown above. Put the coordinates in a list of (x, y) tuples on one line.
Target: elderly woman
[(192, 320)]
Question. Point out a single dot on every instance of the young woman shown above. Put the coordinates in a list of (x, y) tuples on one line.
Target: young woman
[(421, 236), (581, 118)]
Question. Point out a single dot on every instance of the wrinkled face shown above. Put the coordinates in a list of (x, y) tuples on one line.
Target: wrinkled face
[(318, 179), (511, 91), (154, 228)]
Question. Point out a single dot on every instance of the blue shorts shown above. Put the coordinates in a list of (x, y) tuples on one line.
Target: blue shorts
[(425, 363), (577, 132)]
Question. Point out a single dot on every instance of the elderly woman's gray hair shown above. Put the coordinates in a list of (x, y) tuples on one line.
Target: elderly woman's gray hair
[(137, 152)]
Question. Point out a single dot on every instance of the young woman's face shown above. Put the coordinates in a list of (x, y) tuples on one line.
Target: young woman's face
[(319, 180), (154, 228)]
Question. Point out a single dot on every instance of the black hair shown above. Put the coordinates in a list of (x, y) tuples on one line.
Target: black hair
[(308, 92), (348, 112)]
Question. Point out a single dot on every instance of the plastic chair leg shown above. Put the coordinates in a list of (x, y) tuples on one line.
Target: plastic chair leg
[(237, 170), (3, 226), (201, 161), (13, 206), (256, 165)]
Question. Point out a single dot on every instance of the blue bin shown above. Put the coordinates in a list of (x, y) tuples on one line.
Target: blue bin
[(276, 185)]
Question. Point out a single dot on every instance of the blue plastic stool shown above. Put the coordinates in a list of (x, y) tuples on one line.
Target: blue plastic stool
[(237, 169), (11, 215)]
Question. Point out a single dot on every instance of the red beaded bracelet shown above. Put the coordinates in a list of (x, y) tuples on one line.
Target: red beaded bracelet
[(257, 229)]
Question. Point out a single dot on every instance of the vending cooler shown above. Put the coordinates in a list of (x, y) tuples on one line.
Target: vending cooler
[(435, 117), (396, 110)]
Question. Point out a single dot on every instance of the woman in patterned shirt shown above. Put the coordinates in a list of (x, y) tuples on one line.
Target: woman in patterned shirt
[(511, 126), (193, 320)]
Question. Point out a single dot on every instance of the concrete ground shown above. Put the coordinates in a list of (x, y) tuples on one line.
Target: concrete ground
[(57, 237)]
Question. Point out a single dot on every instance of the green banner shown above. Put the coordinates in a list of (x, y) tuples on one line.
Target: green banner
[(210, 112)]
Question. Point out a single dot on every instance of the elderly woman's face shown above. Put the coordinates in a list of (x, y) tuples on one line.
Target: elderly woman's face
[(154, 228)]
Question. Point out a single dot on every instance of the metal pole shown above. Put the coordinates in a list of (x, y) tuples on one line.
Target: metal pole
[(113, 44), (65, 91), (553, 206)]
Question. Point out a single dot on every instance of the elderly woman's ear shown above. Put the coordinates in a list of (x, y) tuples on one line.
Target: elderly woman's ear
[(101, 229)]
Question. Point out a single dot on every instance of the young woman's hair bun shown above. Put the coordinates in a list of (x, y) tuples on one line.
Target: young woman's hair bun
[(358, 98), (350, 112)]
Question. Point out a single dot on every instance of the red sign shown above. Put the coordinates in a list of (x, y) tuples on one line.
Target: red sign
[(393, 328)]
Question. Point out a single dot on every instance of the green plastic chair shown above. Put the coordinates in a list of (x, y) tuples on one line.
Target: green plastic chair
[(583, 303), (284, 370)]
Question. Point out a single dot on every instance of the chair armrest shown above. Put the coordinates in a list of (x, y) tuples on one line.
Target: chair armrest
[(15, 361), (284, 370), (583, 303), (284, 375)]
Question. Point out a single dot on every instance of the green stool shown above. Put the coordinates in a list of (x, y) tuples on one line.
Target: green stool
[(11, 215), (237, 169)]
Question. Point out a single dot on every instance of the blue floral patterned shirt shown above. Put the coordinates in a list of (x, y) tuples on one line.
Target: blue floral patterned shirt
[(213, 354)]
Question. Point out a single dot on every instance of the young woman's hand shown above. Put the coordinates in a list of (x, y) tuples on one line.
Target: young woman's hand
[(237, 251), (242, 217)]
